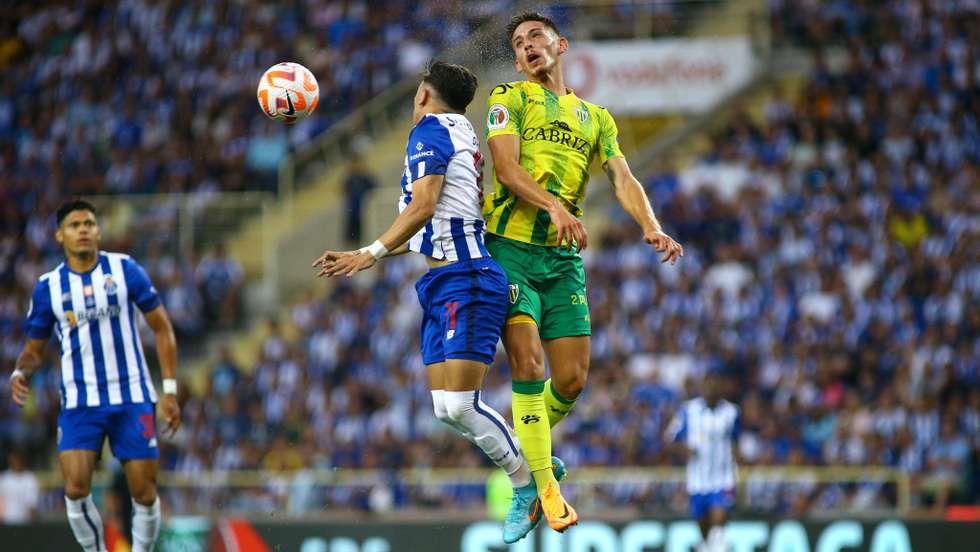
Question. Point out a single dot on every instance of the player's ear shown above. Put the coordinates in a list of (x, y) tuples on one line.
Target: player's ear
[(517, 66), (562, 45), (59, 236)]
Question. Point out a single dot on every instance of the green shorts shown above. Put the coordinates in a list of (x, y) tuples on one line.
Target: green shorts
[(546, 283)]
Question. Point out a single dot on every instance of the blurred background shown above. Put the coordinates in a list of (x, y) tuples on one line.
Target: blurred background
[(819, 161)]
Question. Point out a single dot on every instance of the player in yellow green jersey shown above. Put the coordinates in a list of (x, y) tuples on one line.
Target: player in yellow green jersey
[(543, 138)]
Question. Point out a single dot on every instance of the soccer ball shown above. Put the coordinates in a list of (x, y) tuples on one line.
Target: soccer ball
[(288, 92)]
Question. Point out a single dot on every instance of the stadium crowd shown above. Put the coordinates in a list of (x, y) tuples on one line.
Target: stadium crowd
[(830, 273)]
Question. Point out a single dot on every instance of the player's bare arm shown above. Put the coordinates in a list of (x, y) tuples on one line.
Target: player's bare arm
[(630, 194), (166, 343), (425, 196), (27, 363), (506, 152)]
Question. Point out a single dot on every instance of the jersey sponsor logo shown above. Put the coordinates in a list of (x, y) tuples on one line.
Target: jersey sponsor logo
[(497, 117), (74, 318), (421, 154), (515, 293), (556, 136), (110, 286)]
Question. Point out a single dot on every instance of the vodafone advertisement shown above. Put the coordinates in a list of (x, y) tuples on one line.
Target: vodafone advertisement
[(648, 76)]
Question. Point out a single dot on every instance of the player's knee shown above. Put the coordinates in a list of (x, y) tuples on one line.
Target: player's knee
[(571, 386), (145, 494), (439, 408), (458, 407), (527, 367), (76, 490)]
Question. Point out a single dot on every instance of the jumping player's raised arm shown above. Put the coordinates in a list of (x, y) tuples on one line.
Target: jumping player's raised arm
[(504, 127), (423, 178)]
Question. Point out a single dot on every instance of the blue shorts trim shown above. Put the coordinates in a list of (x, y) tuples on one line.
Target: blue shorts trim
[(130, 428), (701, 504), (464, 306)]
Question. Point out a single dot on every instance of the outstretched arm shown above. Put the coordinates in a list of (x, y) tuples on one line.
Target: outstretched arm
[(425, 195), (630, 194), (28, 362), (506, 152)]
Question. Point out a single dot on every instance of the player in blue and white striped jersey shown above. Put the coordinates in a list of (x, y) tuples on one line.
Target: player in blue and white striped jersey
[(464, 296), (705, 430), (89, 303)]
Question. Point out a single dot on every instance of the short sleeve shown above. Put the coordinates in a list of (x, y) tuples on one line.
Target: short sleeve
[(429, 148), (40, 316), (141, 291), (505, 111), (677, 429), (608, 137)]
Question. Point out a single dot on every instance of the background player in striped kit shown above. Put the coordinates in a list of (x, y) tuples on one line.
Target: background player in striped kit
[(106, 389), (464, 295), (705, 431)]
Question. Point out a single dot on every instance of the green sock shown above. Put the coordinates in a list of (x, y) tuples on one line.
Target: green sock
[(558, 406), (531, 423)]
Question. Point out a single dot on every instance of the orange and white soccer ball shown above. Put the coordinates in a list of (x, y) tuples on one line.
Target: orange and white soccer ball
[(288, 92)]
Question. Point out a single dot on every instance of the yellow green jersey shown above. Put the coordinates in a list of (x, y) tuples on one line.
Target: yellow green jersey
[(559, 138)]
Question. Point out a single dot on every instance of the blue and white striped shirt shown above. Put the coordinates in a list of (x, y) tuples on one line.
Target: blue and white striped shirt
[(446, 144), (102, 360), (712, 433)]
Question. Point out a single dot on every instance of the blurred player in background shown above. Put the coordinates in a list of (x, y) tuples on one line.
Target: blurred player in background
[(543, 139), (106, 389), (464, 295), (705, 431)]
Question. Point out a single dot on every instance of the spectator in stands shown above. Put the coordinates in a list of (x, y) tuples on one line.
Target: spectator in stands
[(220, 278), (357, 185), (19, 491)]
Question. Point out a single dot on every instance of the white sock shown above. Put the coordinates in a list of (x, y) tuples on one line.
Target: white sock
[(86, 524), (488, 430), (146, 525), (716, 539)]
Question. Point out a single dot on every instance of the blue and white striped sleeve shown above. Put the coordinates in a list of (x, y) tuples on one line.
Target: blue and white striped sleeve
[(40, 316), (141, 291), (429, 148)]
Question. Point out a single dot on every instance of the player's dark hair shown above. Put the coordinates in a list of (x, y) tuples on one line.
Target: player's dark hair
[(74, 205), (455, 84), (526, 16)]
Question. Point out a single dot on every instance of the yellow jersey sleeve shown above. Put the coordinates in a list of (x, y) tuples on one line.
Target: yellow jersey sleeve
[(608, 137), (505, 111)]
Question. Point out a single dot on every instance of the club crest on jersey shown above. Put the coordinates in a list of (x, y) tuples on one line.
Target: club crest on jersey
[(515, 292), (583, 114), (497, 117), (110, 286)]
